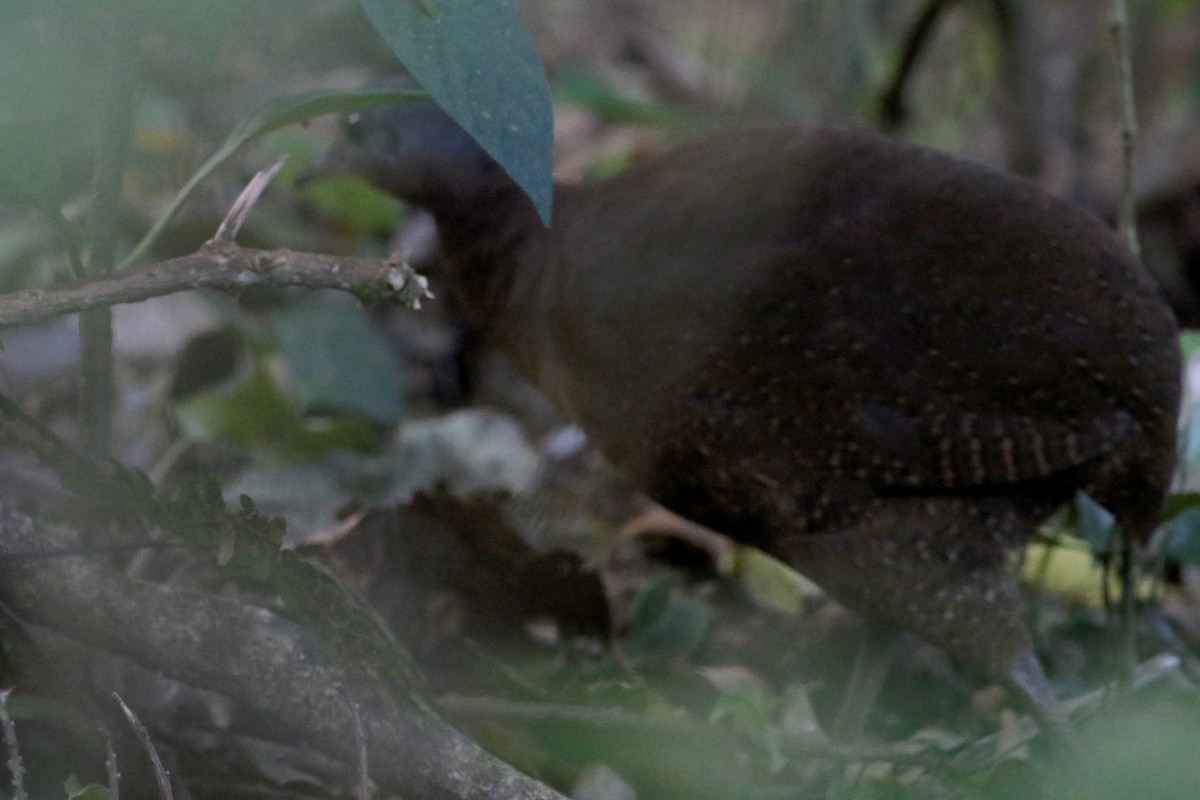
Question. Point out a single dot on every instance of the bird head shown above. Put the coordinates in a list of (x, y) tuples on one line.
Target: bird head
[(412, 150)]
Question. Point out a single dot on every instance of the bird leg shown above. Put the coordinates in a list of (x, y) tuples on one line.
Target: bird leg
[(935, 565)]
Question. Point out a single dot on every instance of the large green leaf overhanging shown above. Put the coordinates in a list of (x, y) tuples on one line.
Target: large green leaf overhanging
[(477, 60)]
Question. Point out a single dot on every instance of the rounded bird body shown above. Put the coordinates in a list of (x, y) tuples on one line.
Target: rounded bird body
[(881, 363)]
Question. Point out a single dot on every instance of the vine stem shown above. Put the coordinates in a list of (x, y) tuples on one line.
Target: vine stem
[(112, 152), (1127, 219), (1127, 227)]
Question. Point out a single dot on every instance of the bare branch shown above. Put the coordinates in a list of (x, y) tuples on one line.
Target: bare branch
[(222, 264), (255, 657), (219, 265)]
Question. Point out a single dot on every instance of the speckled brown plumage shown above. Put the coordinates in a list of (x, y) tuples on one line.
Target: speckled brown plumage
[(880, 363)]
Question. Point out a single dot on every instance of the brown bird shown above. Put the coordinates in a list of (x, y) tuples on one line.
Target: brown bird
[(880, 363)]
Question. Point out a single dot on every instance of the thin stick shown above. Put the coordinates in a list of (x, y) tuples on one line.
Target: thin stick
[(111, 767), (893, 109), (228, 230), (15, 766), (1127, 219), (160, 771), (1127, 226), (117, 107), (362, 788)]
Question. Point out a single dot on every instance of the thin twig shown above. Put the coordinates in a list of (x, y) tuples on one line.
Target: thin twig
[(1127, 226), (160, 771), (1127, 220), (118, 105), (15, 766), (893, 109), (229, 227), (111, 767), (362, 789)]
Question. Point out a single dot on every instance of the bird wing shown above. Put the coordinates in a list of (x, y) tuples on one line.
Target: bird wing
[(961, 449)]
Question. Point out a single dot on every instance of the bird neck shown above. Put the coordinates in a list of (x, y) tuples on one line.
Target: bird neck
[(482, 239)]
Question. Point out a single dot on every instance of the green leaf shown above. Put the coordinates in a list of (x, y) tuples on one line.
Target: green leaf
[(602, 97), (338, 360), (679, 631), (771, 583), (253, 412), (1189, 436), (1097, 526), (77, 791), (477, 59), (652, 600), (257, 414), (355, 206), (1180, 502), (1189, 341), (1181, 537), (664, 627), (271, 116)]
